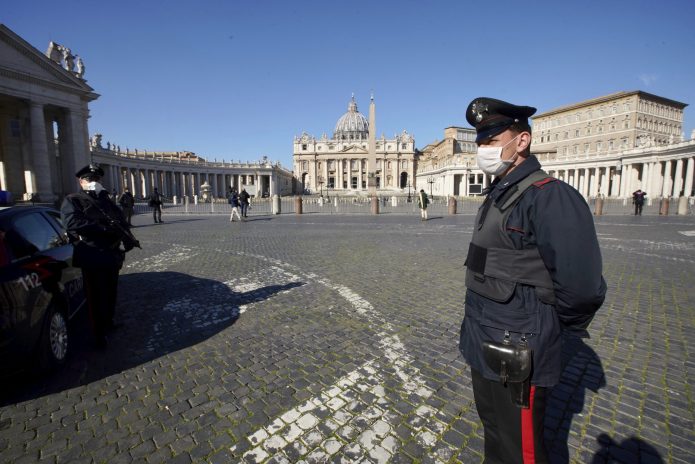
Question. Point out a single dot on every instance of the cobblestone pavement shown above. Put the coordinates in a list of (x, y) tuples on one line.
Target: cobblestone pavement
[(334, 339)]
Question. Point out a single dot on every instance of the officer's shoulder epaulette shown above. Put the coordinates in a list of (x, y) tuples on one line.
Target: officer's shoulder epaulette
[(543, 182)]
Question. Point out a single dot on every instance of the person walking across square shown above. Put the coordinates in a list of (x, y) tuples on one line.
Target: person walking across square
[(638, 200), (234, 201), (422, 202), (244, 201), (127, 202), (155, 202)]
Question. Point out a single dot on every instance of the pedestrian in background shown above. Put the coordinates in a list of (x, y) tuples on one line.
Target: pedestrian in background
[(97, 228), (244, 200), (127, 202), (533, 271), (234, 201), (155, 202), (638, 200), (422, 202)]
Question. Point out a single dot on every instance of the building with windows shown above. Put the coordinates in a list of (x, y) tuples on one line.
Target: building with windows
[(614, 144), (339, 164), (448, 167), (609, 124)]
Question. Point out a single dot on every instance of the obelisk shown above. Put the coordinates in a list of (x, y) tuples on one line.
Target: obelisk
[(371, 159)]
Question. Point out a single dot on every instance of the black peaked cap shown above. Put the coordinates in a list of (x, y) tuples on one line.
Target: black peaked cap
[(490, 116)]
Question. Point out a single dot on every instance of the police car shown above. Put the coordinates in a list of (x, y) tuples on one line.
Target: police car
[(40, 291)]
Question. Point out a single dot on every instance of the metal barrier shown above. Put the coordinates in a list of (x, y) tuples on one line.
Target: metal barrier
[(438, 206)]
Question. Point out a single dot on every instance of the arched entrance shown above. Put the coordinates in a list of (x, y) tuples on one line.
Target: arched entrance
[(304, 182), (404, 179)]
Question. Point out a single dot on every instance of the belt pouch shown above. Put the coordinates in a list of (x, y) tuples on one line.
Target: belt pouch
[(513, 365)]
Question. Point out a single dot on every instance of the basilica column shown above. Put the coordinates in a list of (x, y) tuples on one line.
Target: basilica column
[(349, 173)]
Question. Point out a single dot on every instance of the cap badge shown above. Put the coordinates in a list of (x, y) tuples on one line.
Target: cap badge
[(480, 110)]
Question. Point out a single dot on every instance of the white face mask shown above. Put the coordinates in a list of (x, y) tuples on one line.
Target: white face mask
[(490, 161), (94, 186)]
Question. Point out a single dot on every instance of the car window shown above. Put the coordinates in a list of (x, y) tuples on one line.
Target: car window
[(37, 234), (57, 223)]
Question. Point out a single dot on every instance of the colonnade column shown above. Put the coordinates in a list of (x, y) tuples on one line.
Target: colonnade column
[(37, 174), (678, 180), (688, 190), (603, 182), (666, 187)]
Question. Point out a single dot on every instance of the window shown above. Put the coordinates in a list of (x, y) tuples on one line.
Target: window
[(576, 133), (586, 148), (31, 233), (598, 147), (404, 146)]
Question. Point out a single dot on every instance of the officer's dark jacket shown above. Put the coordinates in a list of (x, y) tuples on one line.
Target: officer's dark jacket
[(97, 243), (554, 218)]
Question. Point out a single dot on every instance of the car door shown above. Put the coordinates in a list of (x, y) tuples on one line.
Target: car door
[(31, 281), (72, 283)]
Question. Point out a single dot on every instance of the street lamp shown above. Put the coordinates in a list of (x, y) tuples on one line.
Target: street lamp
[(430, 180)]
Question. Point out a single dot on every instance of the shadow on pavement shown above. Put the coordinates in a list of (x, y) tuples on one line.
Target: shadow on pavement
[(160, 312), (582, 370), (632, 450)]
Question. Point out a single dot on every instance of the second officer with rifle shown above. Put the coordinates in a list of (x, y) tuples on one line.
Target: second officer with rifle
[(97, 228)]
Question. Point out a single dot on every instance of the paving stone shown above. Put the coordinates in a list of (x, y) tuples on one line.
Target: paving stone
[(336, 350)]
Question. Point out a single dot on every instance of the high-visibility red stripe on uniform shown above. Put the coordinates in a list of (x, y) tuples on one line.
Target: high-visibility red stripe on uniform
[(528, 442), (541, 183)]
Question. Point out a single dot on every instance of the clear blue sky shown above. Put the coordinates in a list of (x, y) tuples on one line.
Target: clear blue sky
[(239, 79)]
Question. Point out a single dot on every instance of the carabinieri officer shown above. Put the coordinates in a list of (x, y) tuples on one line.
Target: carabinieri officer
[(97, 228), (533, 270)]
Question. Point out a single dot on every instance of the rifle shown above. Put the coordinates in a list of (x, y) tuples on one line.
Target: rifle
[(129, 240)]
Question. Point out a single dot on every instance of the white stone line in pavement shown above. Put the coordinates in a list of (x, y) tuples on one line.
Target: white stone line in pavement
[(217, 307), (687, 233), (376, 438), (163, 260)]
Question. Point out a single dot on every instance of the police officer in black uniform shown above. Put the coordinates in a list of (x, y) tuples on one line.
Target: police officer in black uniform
[(97, 228), (533, 271)]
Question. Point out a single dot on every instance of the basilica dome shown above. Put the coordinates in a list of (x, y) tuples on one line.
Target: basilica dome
[(352, 125)]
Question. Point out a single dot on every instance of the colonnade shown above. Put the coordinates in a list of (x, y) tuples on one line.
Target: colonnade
[(671, 177), (173, 177)]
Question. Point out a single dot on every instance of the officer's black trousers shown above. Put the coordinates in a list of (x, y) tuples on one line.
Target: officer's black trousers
[(512, 434), (101, 288)]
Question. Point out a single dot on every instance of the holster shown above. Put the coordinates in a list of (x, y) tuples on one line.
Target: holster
[(512, 363)]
